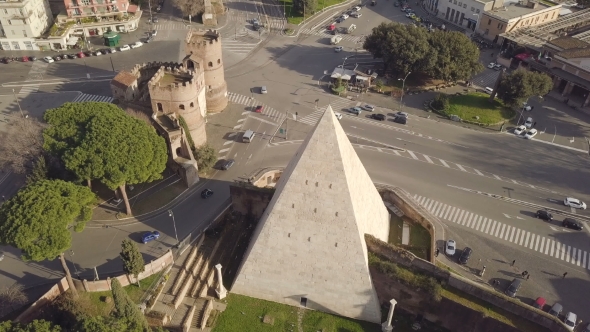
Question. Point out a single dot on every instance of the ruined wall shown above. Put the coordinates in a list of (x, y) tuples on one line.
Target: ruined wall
[(249, 200)]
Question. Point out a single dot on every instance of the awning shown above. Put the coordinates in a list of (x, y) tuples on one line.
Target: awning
[(73, 41)]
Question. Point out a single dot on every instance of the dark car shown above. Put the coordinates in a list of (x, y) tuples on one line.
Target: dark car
[(465, 255), (155, 19), (572, 223), (379, 117), (88, 53), (373, 3), (545, 215), (513, 287), (33, 58), (539, 303), (72, 56), (150, 236), (105, 51), (57, 58), (206, 193), (400, 120), (339, 20), (227, 164), (6, 60)]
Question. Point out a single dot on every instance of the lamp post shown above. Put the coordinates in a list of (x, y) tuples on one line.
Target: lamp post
[(174, 223), (401, 99)]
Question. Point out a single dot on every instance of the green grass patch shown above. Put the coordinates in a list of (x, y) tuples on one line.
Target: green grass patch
[(395, 230), (296, 18), (419, 237), (134, 292), (469, 106), (246, 314), (489, 310)]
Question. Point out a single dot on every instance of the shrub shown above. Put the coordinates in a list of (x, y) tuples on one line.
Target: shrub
[(441, 102)]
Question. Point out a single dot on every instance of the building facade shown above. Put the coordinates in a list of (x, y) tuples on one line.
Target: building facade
[(464, 13), (21, 21), (514, 16)]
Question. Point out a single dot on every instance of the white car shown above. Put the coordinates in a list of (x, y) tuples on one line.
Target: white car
[(574, 202), (98, 53), (137, 44), (338, 49), (356, 14), (344, 16), (357, 8), (48, 59), (492, 65), (124, 48), (519, 130), (155, 33), (402, 115), (338, 116), (570, 320), (529, 122), (369, 108), (113, 50), (450, 247), (530, 134), (410, 15)]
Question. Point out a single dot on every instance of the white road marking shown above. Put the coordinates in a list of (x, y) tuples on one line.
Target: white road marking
[(461, 168), (478, 172)]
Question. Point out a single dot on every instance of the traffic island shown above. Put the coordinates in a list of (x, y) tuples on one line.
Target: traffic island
[(472, 107)]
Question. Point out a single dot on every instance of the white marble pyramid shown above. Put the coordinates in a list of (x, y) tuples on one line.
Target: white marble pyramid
[(309, 247)]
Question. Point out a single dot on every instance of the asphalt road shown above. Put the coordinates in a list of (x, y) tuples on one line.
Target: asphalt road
[(443, 164)]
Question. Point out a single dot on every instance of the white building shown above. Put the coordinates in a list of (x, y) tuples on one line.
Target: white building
[(464, 13), (21, 21)]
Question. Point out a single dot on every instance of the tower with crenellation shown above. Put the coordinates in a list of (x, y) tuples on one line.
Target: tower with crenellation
[(204, 47)]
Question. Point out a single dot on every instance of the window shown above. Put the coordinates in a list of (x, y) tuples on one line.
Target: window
[(210, 64), (552, 16), (181, 106), (85, 2), (455, 2), (218, 61), (25, 33), (9, 22), (160, 107), (472, 9), (477, 11), (460, 4), (489, 21), (303, 301), (464, 5), (546, 16), (192, 104)]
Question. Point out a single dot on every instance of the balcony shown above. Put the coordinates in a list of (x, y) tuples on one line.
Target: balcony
[(23, 15)]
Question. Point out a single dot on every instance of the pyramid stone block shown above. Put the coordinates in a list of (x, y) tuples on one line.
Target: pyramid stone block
[(309, 248)]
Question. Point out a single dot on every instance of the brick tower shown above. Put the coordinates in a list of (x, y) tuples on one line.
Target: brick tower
[(206, 45)]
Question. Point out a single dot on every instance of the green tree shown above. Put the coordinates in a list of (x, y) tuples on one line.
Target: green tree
[(403, 48), (306, 7), (126, 309), (457, 58), (100, 141), (39, 171), (101, 324), (206, 157), (516, 87), (38, 218), (133, 263), (34, 326)]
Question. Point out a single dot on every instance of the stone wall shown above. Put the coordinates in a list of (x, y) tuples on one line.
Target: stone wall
[(250, 200), (399, 256), (413, 210)]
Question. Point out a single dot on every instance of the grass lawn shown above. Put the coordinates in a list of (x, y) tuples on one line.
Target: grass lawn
[(134, 292), (419, 237), (470, 105), (296, 18), (245, 314), (490, 310)]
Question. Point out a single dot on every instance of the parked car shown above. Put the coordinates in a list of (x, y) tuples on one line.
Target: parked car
[(356, 9), (97, 53), (113, 50), (154, 33), (572, 223), (150, 236), (227, 164), (542, 214), (492, 65), (338, 49), (513, 287), (570, 320), (58, 57), (137, 44), (81, 55), (369, 108), (263, 89), (378, 116), (356, 15), (88, 53), (33, 58), (574, 202), (529, 122), (519, 130), (48, 59), (450, 247), (24, 59), (465, 255), (338, 116), (72, 56), (531, 133), (206, 193), (331, 27), (400, 120), (402, 114), (344, 16), (556, 310), (124, 48), (539, 303), (356, 110)]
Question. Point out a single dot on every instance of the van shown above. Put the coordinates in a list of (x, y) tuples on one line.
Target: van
[(514, 287), (248, 136), (488, 90)]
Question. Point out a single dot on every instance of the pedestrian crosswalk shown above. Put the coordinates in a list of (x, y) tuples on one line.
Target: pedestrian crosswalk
[(313, 118), (88, 97), (268, 112), (544, 245), (239, 45), (324, 33), (29, 89), (38, 70), (171, 26)]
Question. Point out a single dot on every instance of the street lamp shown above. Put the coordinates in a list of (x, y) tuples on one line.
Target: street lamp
[(174, 223), (401, 99)]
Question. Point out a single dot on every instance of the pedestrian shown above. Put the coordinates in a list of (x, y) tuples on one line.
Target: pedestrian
[(564, 275), (534, 124), (512, 264)]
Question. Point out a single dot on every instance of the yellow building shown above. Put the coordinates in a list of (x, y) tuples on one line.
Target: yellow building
[(515, 16)]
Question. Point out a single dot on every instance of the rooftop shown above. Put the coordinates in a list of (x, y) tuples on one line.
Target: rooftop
[(515, 10), (567, 42), (171, 78), (124, 79)]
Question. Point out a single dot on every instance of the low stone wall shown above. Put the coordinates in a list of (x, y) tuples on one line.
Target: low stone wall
[(61, 287), (250, 200), (402, 257), (413, 210)]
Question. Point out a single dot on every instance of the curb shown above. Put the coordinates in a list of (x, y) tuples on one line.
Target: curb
[(302, 25)]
